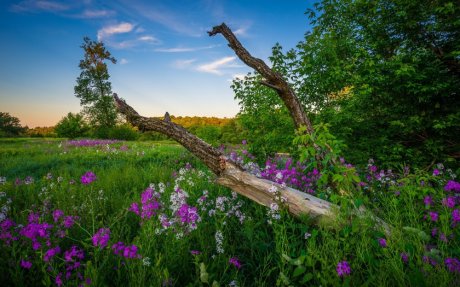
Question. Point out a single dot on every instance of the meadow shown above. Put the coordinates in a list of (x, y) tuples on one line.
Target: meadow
[(115, 213)]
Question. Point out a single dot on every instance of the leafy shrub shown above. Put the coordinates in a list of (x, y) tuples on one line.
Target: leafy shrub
[(123, 132), (71, 126)]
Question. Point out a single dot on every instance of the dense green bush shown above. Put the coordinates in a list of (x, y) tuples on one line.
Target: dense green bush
[(123, 132), (71, 126)]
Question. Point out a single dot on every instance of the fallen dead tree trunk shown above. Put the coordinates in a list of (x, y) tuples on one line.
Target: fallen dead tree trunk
[(232, 175)]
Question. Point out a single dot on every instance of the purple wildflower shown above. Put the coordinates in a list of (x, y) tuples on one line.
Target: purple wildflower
[(33, 217), (195, 252), (134, 208), (188, 214), (101, 238), (130, 251), (404, 257), (452, 264), (428, 200), (69, 221), (120, 249), (435, 172), (51, 253), (88, 177), (26, 264), (57, 214), (73, 253), (235, 262), (343, 269), (456, 216), (452, 186), (382, 242), (434, 216), (449, 202), (58, 280)]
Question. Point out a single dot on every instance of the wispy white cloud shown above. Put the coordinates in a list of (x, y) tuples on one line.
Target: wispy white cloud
[(89, 14), (184, 49), (182, 64), (148, 38), (108, 35), (110, 30), (41, 5), (165, 16), (242, 30), (216, 66), (123, 61)]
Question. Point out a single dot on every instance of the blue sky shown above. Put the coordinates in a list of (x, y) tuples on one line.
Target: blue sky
[(166, 60)]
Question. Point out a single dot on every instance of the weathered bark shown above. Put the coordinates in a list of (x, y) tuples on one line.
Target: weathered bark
[(272, 79), (212, 157)]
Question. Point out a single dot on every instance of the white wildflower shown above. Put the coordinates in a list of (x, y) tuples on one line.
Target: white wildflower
[(146, 261), (219, 242)]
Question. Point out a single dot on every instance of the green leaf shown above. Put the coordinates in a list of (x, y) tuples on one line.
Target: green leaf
[(299, 270), (307, 277), (204, 276)]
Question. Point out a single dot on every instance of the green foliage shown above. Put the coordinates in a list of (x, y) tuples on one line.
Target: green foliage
[(336, 177), (71, 126), (123, 132), (10, 125), (232, 132), (41, 132), (384, 74), (265, 121), (93, 87), (283, 251), (209, 134)]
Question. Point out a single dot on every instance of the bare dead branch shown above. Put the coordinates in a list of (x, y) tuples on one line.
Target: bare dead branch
[(204, 151), (273, 78)]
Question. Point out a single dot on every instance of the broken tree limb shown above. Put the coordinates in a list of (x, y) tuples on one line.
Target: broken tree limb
[(204, 151), (272, 78)]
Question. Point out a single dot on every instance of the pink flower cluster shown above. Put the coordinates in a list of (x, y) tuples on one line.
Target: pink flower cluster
[(101, 238), (88, 178), (90, 142), (148, 206), (290, 174), (129, 252)]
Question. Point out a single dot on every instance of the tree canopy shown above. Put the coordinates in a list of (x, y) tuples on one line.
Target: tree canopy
[(93, 86), (10, 125), (384, 75)]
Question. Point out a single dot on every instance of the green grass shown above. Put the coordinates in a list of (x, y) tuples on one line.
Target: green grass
[(271, 254)]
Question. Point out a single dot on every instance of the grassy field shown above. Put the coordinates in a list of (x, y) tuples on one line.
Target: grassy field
[(148, 214)]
